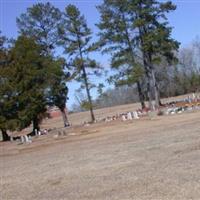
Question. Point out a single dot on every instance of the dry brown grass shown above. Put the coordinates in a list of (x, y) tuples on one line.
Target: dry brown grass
[(79, 118), (146, 159)]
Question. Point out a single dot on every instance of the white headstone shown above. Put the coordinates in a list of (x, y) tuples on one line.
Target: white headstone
[(129, 116), (30, 138), (26, 139), (22, 139), (135, 115), (123, 118)]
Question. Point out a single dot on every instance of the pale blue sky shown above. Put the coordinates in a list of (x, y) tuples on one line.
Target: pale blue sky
[(185, 20)]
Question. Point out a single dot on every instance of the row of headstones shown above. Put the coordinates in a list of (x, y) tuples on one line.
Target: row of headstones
[(178, 110), (188, 99), (193, 98), (123, 117), (38, 133), (130, 116), (23, 139), (58, 133), (27, 139)]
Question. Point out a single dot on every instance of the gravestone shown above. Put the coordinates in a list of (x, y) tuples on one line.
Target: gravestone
[(22, 139), (36, 132), (123, 118), (25, 139), (135, 115), (129, 116), (11, 139)]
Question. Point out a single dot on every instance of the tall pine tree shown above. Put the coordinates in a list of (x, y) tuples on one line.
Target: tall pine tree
[(145, 24), (116, 37), (41, 22), (7, 102), (29, 75), (153, 38), (76, 40), (25, 81)]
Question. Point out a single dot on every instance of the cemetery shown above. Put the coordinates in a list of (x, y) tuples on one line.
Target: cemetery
[(95, 159), (99, 100)]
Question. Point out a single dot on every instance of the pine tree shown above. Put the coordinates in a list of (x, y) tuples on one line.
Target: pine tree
[(41, 22), (154, 38), (7, 103), (117, 37), (59, 90), (25, 79), (76, 40), (29, 74), (145, 22)]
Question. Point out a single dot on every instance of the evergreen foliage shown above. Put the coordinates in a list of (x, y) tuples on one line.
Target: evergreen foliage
[(75, 37), (138, 34), (41, 22)]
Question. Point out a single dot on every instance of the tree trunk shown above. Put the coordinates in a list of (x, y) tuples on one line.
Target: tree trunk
[(5, 136), (149, 92), (64, 116), (159, 100), (86, 81), (88, 94), (146, 62), (155, 89), (36, 126), (149, 69), (141, 95), (149, 82), (153, 86)]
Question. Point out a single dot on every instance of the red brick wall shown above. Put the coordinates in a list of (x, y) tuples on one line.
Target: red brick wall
[(55, 113)]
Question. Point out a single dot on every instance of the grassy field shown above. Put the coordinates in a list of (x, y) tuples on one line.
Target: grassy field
[(141, 159)]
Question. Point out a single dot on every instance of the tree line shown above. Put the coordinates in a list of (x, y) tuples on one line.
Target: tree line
[(135, 33), (178, 79)]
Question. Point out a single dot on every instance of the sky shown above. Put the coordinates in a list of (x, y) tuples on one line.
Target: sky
[(185, 22)]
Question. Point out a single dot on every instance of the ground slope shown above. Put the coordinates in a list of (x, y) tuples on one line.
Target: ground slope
[(143, 159)]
